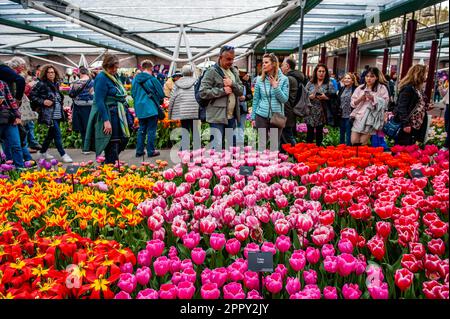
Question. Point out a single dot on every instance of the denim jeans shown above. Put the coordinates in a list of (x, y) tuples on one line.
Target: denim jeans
[(219, 130), (147, 128), (346, 132), (11, 145), (53, 134), (31, 139)]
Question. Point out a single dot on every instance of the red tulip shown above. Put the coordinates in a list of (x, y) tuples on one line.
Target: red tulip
[(282, 226), (417, 249), (241, 232), (410, 262), (383, 229), (436, 246), (376, 246), (403, 278)]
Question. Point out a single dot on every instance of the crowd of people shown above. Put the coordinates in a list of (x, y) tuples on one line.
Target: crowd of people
[(220, 96)]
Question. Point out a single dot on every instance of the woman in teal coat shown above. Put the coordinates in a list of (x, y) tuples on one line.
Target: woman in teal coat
[(108, 129)]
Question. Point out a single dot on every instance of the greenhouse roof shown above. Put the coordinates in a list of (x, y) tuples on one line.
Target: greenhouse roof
[(195, 28)]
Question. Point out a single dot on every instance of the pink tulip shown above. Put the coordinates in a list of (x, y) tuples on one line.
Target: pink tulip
[(173, 252), (297, 261), (207, 225), (330, 264), (127, 282), (219, 276), (146, 208), (170, 188), (218, 190), (327, 250), (155, 247), (168, 291), (281, 201), (282, 226), (144, 258), (235, 272), (322, 235), (304, 222), (161, 266), (282, 270), (253, 294), (241, 232), (185, 264), (233, 246), (185, 290), (233, 290), (283, 243), (292, 285), (345, 264), (210, 291), (191, 240), (345, 246), (274, 283), (155, 221), (379, 292), (143, 275), (330, 292), (122, 295), (351, 291), (251, 280), (203, 183), (310, 277), (126, 268), (268, 247), (169, 174), (250, 247), (217, 241), (190, 178), (198, 255), (312, 255), (147, 294), (176, 278)]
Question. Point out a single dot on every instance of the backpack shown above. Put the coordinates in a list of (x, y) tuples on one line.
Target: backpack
[(302, 106), (203, 103)]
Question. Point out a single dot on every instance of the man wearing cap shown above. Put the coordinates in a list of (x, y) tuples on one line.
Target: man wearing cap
[(168, 87), (222, 87)]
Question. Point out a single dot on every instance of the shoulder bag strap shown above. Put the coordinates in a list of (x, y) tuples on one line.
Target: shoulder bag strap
[(269, 97), (151, 95)]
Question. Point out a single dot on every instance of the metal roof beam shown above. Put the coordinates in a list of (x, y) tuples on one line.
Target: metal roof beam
[(272, 32), (17, 44), (353, 7), (389, 13), (332, 16), (23, 26), (64, 8)]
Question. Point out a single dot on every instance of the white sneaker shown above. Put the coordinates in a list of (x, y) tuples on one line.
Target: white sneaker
[(46, 156), (66, 158)]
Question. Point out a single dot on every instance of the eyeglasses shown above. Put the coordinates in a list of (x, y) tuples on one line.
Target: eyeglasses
[(50, 72)]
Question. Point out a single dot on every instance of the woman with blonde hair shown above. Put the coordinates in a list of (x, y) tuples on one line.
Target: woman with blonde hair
[(411, 109), (271, 92), (349, 84)]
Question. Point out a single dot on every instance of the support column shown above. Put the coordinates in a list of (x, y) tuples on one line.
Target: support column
[(385, 61), (431, 69), (305, 61), (353, 55), (323, 55), (335, 64), (409, 46)]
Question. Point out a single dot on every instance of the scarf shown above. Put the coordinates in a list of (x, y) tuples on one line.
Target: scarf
[(120, 107)]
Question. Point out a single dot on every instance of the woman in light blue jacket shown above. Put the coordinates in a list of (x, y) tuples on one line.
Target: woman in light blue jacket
[(271, 93)]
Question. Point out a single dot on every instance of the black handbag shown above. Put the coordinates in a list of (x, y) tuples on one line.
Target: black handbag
[(6, 116)]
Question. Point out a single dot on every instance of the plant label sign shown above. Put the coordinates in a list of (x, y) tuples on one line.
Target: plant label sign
[(72, 169), (260, 261), (416, 173), (246, 170)]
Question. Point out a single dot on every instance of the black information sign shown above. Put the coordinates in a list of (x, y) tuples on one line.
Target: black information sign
[(246, 170), (72, 169), (260, 261), (416, 173)]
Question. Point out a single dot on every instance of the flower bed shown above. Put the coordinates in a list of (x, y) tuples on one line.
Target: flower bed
[(359, 229)]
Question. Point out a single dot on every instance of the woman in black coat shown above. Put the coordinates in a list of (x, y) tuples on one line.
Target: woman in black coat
[(48, 101), (411, 109)]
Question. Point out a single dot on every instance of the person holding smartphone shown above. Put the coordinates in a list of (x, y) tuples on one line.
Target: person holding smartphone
[(320, 91), (369, 102)]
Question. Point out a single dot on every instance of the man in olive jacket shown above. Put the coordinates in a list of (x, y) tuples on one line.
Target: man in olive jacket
[(222, 87)]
